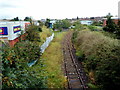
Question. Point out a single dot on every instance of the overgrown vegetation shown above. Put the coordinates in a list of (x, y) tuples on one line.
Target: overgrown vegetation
[(99, 23), (38, 34), (14, 64), (46, 73), (33, 33), (100, 56), (53, 62), (95, 28), (27, 50), (78, 26), (15, 73), (44, 34), (111, 27), (62, 24), (47, 23)]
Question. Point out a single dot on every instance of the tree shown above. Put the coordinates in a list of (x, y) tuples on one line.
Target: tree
[(77, 17), (92, 17), (40, 23), (99, 23), (33, 33), (58, 25), (27, 19), (110, 25), (62, 24), (108, 15), (47, 23), (78, 25), (65, 24), (118, 30), (15, 19)]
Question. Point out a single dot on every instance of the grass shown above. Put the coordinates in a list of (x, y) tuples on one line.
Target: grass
[(53, 62), (49, 67), (95, 28), (92, 86), (44, 34)]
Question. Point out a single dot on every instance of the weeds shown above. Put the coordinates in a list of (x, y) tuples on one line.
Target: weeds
[(53, 60), (44, 34), (100, 54)]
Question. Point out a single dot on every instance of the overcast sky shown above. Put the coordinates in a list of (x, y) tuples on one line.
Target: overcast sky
[(59, 9)]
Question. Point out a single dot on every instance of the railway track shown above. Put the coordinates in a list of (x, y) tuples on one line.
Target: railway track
[(72, 68)]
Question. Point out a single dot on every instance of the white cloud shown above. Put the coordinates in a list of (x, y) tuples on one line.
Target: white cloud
[(57, 8)]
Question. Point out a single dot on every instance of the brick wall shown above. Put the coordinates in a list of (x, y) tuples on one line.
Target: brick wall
[(13, 42), (114, 20)]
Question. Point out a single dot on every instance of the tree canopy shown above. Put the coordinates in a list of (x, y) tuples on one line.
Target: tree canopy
[(62, 24), (15, 19), (110, 25), (47, 23), (27, 19)]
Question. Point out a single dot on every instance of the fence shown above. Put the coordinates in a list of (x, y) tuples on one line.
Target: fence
[(46, 44), (43, 47)]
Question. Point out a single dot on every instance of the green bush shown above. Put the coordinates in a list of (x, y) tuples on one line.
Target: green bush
[(14, 66), (27, 50), (92, 28), (62, 24), (101, 54), (74, 36), (15, 72), (33, 33), (78, 26)]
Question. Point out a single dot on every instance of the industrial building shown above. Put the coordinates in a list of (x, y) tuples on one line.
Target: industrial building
[(86, 22), (10, 31)]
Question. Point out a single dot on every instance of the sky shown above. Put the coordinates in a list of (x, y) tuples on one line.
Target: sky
[(57, 9)]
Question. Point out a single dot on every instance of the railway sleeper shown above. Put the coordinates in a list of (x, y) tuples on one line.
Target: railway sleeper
[(74, 81), (74, 77)]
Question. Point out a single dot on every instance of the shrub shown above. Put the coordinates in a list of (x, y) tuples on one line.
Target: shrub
[(15, 73), (111, 26), (14, 64), (102, 54), (91, 27), (33, 33), (74, 36), (27, 50)]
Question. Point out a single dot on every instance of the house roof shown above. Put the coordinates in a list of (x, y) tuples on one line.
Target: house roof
[(113, 18)]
